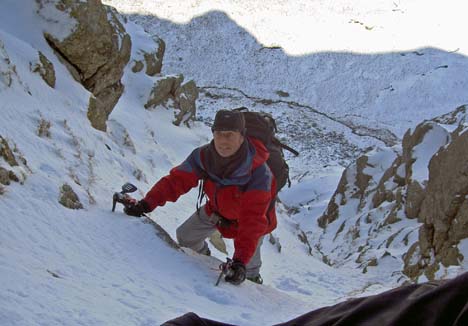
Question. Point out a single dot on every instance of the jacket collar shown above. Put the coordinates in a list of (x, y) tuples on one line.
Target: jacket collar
[(257, 154)]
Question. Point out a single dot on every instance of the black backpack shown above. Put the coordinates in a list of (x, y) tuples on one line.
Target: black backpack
[(262, 125)]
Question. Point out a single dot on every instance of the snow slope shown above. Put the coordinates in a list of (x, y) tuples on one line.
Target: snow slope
[(60, 266), (94, 267)]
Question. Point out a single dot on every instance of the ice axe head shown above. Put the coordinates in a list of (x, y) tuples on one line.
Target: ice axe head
[(121, 197), (128, 187)]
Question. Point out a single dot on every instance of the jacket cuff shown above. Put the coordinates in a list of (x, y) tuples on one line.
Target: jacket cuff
[(145, 206)]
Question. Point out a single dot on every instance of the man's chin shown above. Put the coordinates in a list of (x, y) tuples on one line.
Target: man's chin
[(226, 153)]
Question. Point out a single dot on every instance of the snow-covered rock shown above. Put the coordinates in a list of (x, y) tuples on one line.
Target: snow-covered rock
[(402, 207), (443, 212), (150, 59), (97, 48)]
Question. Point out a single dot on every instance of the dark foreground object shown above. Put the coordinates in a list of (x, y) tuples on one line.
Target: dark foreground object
[(434, 303)]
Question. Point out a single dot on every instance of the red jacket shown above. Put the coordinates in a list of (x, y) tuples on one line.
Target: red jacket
[(244, 197)]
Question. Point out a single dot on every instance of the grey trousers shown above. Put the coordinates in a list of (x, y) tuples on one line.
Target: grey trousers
[(193, 232)]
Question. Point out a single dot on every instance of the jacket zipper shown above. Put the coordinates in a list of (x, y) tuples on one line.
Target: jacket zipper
[(216, 198)]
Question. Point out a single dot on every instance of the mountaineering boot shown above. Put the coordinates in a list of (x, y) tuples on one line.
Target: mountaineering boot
[(256, 279), (205, 250)]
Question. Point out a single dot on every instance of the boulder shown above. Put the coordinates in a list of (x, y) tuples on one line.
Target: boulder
[(184, 96), (7, 69), (69, 198), (7, 175), (97, 47), (43, 130), (153, 60), (163, 89), (45, 69), (4, 176), (185, 99), (7, 153), (137, 66)]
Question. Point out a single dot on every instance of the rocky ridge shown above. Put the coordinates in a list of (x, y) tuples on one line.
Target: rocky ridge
[(403, 208)]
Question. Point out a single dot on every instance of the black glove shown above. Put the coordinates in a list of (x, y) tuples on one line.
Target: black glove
[(137, 209), (235, 273)]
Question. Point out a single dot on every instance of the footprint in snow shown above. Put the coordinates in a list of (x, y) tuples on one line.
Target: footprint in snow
[(215, 294), (290, 285)]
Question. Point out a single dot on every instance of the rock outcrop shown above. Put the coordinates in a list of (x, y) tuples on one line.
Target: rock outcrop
[(185, 98), (163, 89), (150, 60), (68, 198), (7, 69), (405, 207), (443, 211), (96, 49), (91, 41), (6, 153), (13, 166), (45, 69), (183, 95)]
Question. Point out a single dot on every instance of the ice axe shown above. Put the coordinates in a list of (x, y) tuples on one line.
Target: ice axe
[(225, 270), (123, 197)]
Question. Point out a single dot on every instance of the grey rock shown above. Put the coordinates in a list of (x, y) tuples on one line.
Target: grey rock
[(444, 210), (69, 198), (414, 198), (4, 176), (7, 69), (7, 153), (154, 59), (137, 66), (164, 88), (98, 49), (46, 70), (332, 211), (185, 99)]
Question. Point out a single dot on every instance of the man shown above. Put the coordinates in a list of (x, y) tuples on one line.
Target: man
[(240, 188)]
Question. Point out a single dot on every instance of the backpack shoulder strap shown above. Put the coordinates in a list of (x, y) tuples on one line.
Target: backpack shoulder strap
[(286, 147), (203, 177), (292, 150)]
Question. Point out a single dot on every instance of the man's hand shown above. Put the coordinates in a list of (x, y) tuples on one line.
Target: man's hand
[(137, 209), (235, 272)]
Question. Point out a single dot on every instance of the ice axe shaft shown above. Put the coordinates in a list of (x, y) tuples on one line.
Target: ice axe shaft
[(225, 270), (117, 198), (219, 278)]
